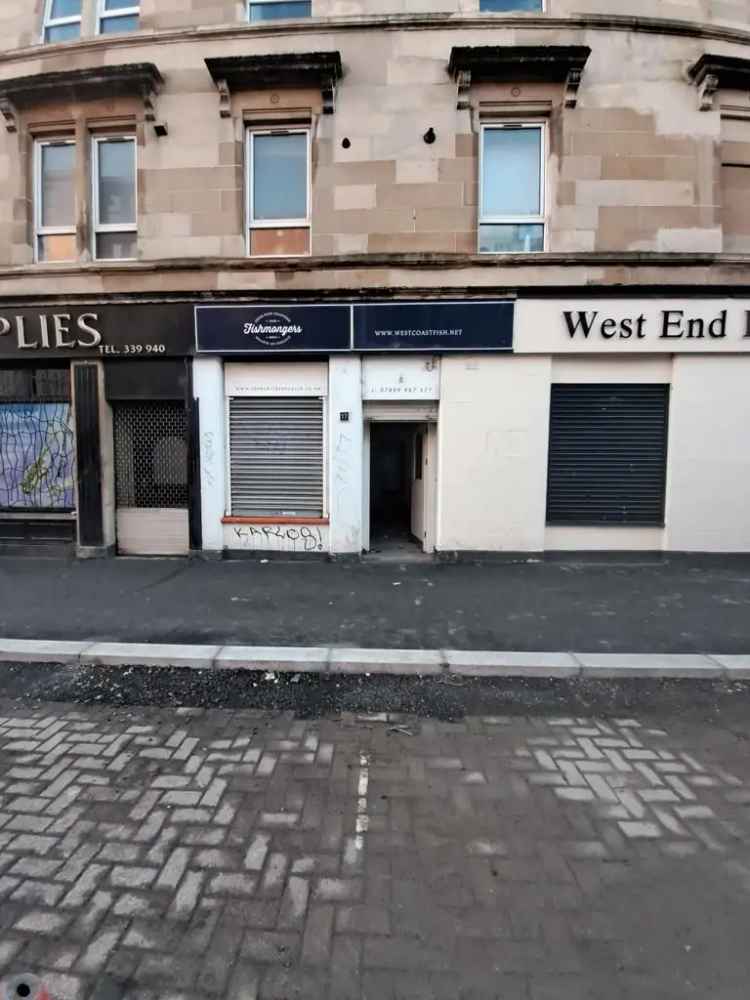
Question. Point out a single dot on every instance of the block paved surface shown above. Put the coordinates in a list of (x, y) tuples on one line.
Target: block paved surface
[(209, 853)]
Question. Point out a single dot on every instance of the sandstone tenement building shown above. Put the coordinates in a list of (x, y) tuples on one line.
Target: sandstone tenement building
[(315, 277)]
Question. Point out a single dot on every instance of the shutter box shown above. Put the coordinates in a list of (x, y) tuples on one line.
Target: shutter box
[(607, 454)]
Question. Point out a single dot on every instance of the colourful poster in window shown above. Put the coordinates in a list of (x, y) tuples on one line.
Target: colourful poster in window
[(37, 456)]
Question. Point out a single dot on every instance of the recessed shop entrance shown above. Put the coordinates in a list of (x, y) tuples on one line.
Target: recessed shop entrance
[(151, 478), (399, 493)]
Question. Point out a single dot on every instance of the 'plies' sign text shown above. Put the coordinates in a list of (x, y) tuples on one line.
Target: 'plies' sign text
[(58, 331), (665, 326), (128, 330)]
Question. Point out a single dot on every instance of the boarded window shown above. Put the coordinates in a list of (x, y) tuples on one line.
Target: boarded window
[(37, 444)]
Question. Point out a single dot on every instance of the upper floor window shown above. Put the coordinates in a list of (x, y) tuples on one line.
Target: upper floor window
[(54, 200), (116, 16), (511, 186), (278, 192), (57, 218), (501, 6), (115, 211), (271, 10), (62, 20)]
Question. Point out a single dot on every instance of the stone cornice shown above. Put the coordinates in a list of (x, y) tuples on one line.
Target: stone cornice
[(390, 22), (372, 261), (286, 69), (141, 79), (714, 72)]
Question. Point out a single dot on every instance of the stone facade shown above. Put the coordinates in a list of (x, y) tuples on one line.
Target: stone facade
[(635, 167)]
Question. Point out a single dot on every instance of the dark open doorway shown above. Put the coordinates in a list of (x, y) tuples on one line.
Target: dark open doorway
[(392, 447)]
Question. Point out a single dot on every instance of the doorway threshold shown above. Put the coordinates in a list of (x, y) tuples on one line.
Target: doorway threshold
[(406, 553)]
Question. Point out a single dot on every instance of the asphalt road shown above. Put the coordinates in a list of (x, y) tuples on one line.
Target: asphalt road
[(680, 605)]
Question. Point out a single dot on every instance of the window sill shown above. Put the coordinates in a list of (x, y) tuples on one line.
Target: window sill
[(274, 520), (13, 514)]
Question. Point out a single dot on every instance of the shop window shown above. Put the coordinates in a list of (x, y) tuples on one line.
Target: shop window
[(503, 6), (62, 20), (607, 454), (278, 192), (276, 456), (272, 10), (54, 200), (118, 16), (36, 440), (114, 198), (511, 218)]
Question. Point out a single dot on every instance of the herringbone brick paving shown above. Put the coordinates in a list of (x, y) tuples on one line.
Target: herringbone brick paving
[(183, 853)]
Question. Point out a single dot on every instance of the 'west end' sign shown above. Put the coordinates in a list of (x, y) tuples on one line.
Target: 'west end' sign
[(393, 326), (663, 326)]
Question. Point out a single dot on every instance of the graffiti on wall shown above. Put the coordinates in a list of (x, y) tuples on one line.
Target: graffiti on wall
[(37, 456), (279, 537)]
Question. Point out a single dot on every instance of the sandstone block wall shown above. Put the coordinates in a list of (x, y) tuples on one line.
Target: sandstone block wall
[(636, 166)]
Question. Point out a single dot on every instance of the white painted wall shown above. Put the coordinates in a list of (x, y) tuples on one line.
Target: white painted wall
[(345, 479), (307, 539), (492, 452), (208, 386), (708, 493), (610, 538)]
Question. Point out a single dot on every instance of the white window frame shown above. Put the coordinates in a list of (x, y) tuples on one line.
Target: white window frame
[(40, 230), (520, 220), (106, 15), (99, 227), (250, 222), (58, 22), (253, 3)]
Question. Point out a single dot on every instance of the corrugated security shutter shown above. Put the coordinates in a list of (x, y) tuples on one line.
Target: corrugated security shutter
[(276, 456), (607, 454)]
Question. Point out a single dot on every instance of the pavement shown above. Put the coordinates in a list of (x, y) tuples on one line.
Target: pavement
[(698, 605), (384, 839)]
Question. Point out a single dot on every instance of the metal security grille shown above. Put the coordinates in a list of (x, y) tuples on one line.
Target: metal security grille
[(276, 456), (151, 466), (607, 454), (37, 443)]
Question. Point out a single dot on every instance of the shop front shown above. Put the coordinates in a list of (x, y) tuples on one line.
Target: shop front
[(472, 427), (319, 423), (96, 428)]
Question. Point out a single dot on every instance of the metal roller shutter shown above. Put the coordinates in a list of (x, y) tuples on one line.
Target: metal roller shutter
[(607, 454), (276, 456)]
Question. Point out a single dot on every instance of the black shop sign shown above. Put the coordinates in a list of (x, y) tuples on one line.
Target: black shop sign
[(126, 330), (268, 329), (393, 326), (434, 326)]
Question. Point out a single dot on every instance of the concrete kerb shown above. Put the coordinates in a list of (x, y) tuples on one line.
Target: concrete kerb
[(361, 661)]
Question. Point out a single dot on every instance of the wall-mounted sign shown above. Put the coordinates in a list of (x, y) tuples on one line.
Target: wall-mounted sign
[(401, 378), (267, 329), (128, 330), (632, 326), (282, 379), (434, 326), (402, 326)]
